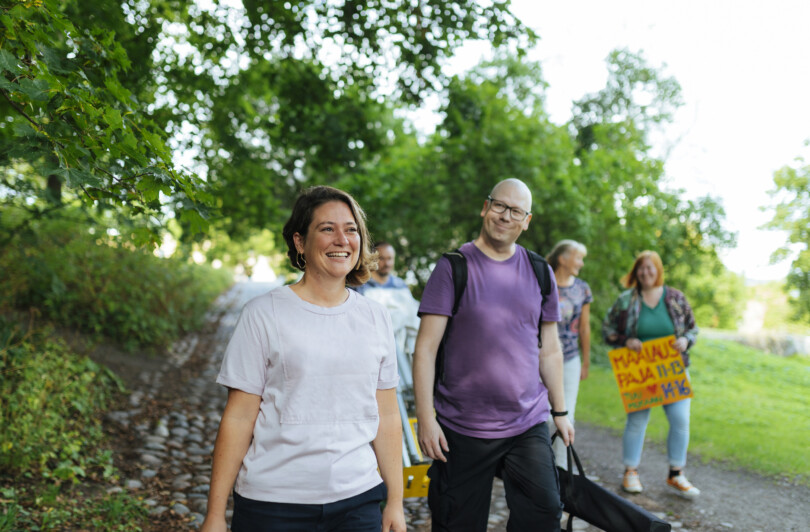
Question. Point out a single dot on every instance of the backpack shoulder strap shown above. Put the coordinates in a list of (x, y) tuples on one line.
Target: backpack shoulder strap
[(458, 263), (541, 271), (540, 267)]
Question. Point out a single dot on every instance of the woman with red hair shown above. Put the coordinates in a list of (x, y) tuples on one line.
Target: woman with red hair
[(648, 310)]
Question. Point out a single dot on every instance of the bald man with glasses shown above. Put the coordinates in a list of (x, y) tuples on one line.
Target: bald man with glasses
[(487, 416)]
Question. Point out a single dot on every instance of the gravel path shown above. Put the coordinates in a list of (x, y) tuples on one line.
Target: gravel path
[(165, 435)]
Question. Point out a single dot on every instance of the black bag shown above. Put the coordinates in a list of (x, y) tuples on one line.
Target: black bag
[(601, 507)]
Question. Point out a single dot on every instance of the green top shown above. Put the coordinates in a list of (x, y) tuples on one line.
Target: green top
[(654, 322)]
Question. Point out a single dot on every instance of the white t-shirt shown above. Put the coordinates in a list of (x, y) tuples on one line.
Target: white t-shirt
[(317, 370)]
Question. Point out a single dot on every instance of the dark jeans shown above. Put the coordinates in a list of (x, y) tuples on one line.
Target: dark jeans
[(460, 489), (360, 513)]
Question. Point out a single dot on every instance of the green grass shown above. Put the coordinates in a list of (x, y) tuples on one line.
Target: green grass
[(749, 408)]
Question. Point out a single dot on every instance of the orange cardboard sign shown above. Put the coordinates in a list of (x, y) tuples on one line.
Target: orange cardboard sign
[(655, 376)]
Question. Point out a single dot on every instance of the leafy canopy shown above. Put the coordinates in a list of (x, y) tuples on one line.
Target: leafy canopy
[(75, 124), (792, 215)]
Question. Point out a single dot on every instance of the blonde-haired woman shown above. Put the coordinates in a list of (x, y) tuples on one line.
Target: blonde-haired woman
[(648, 310), (567, 259)]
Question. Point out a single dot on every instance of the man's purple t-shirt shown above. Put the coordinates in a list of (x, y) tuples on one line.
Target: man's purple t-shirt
[(492, 386)]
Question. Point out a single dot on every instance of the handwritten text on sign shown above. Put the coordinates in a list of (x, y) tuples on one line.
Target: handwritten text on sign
[(653, 377)]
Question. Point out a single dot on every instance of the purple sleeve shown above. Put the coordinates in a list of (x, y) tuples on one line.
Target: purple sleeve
[(439, 293)]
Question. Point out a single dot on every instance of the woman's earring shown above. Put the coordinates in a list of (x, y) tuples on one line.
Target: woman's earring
[(301, 261)]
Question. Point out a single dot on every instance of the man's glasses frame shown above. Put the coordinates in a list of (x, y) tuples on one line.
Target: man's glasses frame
[(499, 207)]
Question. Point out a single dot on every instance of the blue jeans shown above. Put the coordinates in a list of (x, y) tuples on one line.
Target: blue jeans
[(677, 438), (360, 513)]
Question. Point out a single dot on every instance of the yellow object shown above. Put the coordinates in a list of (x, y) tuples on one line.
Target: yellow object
[(416, 481), (652, 377), (419, 457)]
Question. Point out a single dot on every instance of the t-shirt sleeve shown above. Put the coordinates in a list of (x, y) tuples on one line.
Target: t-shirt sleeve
[(588, 293), (439, 293), (389, 372), (243, 366), (551, 303)]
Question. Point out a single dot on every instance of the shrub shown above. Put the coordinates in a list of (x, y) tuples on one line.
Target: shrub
[(50, 400), (79, 276)]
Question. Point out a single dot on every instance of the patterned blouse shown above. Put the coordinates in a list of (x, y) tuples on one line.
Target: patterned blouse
[(621, 321), (572, 299)]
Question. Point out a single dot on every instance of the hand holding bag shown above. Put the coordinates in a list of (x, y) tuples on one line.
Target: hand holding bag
[(601, 507)]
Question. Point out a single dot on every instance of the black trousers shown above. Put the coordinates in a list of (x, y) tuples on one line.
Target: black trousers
[(461, 488)]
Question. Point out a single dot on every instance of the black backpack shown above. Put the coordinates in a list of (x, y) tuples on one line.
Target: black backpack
[(458, 264)]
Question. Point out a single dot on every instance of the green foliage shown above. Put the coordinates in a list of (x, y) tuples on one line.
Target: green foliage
[(779, 315), (626, 203), (81, 275), (50, 401), (726, 376), (792, 215), (277, 96), (280, 95), (717, 296), (607, 193), (425, 198), (45, 506), (75, 122)]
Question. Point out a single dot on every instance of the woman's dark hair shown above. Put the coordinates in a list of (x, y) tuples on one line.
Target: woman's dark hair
[(301, 217)]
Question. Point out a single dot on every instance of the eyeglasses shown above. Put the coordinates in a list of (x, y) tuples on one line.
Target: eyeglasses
[(499, 207)]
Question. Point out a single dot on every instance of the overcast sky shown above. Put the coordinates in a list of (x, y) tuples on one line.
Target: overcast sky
[(744, 67)]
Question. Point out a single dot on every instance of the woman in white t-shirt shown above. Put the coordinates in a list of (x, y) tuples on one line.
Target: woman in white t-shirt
[(311, 437)]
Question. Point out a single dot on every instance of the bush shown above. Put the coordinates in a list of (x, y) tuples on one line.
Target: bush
[(51, 437), (79, 276), (50, 405)]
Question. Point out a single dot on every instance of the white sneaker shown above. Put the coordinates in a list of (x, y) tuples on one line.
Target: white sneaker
[(631, 482), (684, 488)]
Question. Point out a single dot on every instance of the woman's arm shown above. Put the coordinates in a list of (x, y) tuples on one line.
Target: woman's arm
[(610, 326), (551, 373), (388, 448), (585, 340), (683, 318), (233, 439), (689, 322)]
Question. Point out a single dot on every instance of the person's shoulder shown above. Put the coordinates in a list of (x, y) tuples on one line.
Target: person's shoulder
[(467, 249), (263, 308), (674, 293), (582, 283), (397, 282), (368, 304), (262, 301), (625, 297)]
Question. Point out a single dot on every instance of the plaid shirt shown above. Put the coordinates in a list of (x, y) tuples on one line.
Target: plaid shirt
[(621, 321)]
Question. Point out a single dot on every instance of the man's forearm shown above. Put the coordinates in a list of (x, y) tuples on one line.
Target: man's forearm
[(551, 366), (424, 375), (431, 331)]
